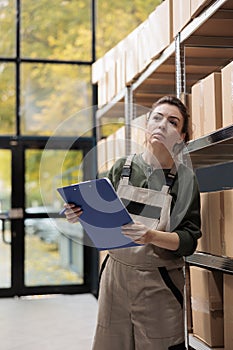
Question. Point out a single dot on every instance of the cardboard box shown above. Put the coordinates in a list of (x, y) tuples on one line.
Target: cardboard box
[(207, 105), (181, 15), (207, 305), (197, 6), (110, 68), (132, 70), (211, 224), (161, 28), (228, 311), (102, 90), (120, 66), (211, 216), (227, 95), (138, 134), (97, 70), (99, 77), (197, 109), (212, 92), (217, 223), (227, 221), (102, 156), (120, 143), (144, 57), (203, 242), (111, 149)]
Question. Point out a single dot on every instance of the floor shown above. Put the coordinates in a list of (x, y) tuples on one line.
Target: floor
[(53, 322)]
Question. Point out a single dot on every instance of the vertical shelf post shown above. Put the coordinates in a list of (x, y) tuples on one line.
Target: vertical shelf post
[(128, 118), (180, 68), (181, 93)]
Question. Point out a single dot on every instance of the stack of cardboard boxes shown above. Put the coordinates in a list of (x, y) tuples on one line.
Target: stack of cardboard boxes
[(207, 305), (212, 102), (121, 65), (113, 147), (207, 105), (212, 109), (210, 288), (124, 63)]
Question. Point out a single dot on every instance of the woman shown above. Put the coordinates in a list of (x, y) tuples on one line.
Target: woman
[(141, 289)]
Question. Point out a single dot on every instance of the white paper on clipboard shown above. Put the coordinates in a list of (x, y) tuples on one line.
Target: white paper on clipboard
[(103, 212)]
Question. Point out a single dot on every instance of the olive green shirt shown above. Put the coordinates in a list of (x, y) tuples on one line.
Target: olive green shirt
[(185, 210)]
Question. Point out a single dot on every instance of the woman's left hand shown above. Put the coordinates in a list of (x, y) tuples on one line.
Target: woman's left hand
[(138, 232)]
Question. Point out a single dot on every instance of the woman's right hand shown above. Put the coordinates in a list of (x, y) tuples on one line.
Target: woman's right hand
[(72, 212)]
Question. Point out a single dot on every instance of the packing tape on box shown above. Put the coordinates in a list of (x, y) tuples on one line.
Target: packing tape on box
[(205, 306)]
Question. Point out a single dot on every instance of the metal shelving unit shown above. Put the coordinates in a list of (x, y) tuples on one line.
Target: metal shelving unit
[(198, 48), (204, 46)]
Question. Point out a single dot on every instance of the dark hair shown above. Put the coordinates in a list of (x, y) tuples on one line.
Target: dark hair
[(174, 101)]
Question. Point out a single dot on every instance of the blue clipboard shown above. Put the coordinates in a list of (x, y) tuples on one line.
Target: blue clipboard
[(103, 212)]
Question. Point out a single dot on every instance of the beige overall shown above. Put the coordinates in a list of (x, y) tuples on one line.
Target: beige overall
[(141, 289)]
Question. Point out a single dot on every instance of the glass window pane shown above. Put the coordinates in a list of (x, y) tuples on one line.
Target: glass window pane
[(49, 257), (5, 233), (56, 95), (7, 98), (48, 169), (56, 29), (8, 28), (53, 247)]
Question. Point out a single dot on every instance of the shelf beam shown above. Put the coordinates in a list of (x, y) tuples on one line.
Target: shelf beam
[(105, 109), (212, 149), (209, 41), (213, 262), (200, 20), (167, 53)]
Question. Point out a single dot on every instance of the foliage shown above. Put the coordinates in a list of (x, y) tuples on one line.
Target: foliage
[(56, 29), (57, 95), (116, 19)]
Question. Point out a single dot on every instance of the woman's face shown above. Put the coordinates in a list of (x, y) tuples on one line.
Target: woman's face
[(164, 127)]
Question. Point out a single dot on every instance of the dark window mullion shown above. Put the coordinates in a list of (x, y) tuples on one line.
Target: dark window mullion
[(17, 80), (17, 224)]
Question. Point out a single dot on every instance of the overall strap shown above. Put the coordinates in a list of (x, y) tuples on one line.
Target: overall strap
[(126, 170), (170, 178)]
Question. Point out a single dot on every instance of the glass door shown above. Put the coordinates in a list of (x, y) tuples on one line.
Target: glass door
[(5, 229), (40, 251)]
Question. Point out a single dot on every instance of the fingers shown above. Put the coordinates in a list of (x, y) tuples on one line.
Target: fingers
[(135, 237), (72, 212), (135, 231), (136, 227), (131, 226), (132, 231)]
